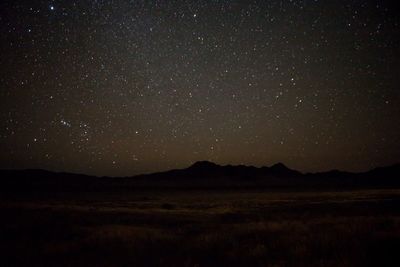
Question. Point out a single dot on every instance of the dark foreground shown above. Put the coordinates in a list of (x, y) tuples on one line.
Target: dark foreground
[(201, 228)]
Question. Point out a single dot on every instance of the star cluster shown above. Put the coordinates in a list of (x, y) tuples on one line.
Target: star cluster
[(126, 87)]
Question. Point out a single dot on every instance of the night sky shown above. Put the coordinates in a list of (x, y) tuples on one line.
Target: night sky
[(128, 87)]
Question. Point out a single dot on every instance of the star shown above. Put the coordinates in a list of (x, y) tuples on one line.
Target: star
[(166, 82)]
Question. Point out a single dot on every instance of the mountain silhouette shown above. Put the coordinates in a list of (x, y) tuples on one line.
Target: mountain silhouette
[(204, 165), (202, 174)]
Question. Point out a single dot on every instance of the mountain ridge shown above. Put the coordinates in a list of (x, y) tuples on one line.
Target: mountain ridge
[(202, 174)]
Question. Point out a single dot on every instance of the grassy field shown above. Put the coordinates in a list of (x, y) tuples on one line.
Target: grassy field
[(202, 228)]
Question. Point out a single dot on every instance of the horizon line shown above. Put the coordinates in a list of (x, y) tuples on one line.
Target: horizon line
[(200, 161)]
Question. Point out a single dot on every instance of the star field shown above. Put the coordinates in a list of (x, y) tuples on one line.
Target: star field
[(127, 87)]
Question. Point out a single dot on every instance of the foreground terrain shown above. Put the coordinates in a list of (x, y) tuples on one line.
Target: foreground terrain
[(201, 228)]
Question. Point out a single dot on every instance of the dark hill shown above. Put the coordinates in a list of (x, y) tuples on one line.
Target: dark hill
[(202, 174)]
